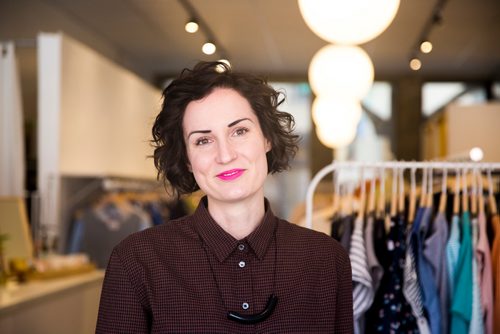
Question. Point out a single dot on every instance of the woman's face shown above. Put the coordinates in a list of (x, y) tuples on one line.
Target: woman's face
[(225, 147)]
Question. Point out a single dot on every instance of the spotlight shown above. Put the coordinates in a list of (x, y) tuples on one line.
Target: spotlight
[(415, 64), (191, 26), (208, 48), (426, 47)]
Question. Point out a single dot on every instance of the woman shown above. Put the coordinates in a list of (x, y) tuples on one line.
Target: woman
[(232, 266)]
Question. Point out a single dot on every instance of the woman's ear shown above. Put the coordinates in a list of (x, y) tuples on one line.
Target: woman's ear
[(190, 169), (268, 146)]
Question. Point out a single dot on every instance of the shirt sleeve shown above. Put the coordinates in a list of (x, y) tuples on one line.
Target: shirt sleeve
[(120, 308), (344, 311)]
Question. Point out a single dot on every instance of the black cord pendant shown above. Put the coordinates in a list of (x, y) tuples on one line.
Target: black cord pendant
[(255, 318)]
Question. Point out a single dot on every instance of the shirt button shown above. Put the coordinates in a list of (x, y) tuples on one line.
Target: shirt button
[(245, 306), (242, 264), (241, 247)]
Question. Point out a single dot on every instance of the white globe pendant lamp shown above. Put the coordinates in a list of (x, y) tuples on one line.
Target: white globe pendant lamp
[(341, 70), (336, 120), (328, 110), (337, 137), (348, 21)]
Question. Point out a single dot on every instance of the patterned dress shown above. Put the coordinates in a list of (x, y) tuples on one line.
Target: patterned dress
[(390, 312)]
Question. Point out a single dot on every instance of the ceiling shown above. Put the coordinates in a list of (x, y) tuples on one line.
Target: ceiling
[(263, 36)]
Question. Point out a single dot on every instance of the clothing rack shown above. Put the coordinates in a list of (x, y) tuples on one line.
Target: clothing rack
[(399, 165), (111, 183), (117, 184)]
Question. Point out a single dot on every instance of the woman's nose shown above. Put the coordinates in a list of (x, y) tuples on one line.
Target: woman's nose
[(225, 152)]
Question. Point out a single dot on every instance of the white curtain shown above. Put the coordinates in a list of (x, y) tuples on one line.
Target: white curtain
[(12, 166)]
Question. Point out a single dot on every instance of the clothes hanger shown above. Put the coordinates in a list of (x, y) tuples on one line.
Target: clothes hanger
[(381, 199), (423, 190), (430, 192), (371, 198), (491, 196), (465, 196), (442, 199), (473, 195), (413, 196), (481, 190), (401, 204), (394, 195), (456, 195), (362, 197)]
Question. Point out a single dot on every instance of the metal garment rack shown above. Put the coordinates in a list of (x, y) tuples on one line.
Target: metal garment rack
[(387, 165)]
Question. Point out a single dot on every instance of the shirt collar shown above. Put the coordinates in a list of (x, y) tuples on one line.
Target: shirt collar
[(222, 244)]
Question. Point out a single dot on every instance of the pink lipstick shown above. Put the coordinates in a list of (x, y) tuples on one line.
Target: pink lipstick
[(231, 174)]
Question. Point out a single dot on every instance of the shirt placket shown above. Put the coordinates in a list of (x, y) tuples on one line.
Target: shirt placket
[(242, 300)]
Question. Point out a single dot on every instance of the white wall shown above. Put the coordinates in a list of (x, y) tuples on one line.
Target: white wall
[(471, 126), (94, 118)]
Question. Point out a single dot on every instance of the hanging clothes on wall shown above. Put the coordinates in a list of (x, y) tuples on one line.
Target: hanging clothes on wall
[(12, 166), (98, 228)]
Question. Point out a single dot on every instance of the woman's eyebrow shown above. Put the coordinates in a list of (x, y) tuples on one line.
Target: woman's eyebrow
[(198, 131), (229, 125), (237, 121)]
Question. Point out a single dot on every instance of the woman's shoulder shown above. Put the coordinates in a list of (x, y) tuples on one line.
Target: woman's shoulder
[(305, 239), (169, 234)]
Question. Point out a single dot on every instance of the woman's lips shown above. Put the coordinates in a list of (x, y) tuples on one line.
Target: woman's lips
[(232, 174)]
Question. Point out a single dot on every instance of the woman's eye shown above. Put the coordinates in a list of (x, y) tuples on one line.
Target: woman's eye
[(241, 131), (201, 141)]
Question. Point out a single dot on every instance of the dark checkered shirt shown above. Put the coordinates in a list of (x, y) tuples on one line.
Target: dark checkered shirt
[(185, 275)]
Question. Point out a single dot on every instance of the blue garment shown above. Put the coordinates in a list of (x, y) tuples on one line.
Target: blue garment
[(99, 230), (75, 238), (461, 308), (435, 253), (428, 286), (411, 287), (452, 251), (154, 212), (476, 323)]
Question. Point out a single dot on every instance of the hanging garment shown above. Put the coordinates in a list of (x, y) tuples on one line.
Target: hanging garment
[(390, 312), (428, 287), (485, 274), (452, 252), (97, 231), (476, 322), (495, 266), (342, 230), (411, 287), (363, 293), (12, 159), (154, 212), (435, 254), (374, 268), (461, 306), (380, 242)]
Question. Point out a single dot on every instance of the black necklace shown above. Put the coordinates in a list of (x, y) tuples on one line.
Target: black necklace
[(271, 302)]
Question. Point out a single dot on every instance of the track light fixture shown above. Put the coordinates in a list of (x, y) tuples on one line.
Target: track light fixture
[(423, 44), (426, 47), (191, 26), (196, 23), (415, 64), (209, 48)]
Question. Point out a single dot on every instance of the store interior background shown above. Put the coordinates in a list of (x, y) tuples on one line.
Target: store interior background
[(146, 39)]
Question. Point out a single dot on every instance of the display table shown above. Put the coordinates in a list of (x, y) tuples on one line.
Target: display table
[(63, 305)]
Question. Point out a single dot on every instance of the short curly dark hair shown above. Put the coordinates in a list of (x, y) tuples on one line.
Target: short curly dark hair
[(170, 156)]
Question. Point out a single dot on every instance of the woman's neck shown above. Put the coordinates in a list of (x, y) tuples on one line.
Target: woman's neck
[(238, 219)]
